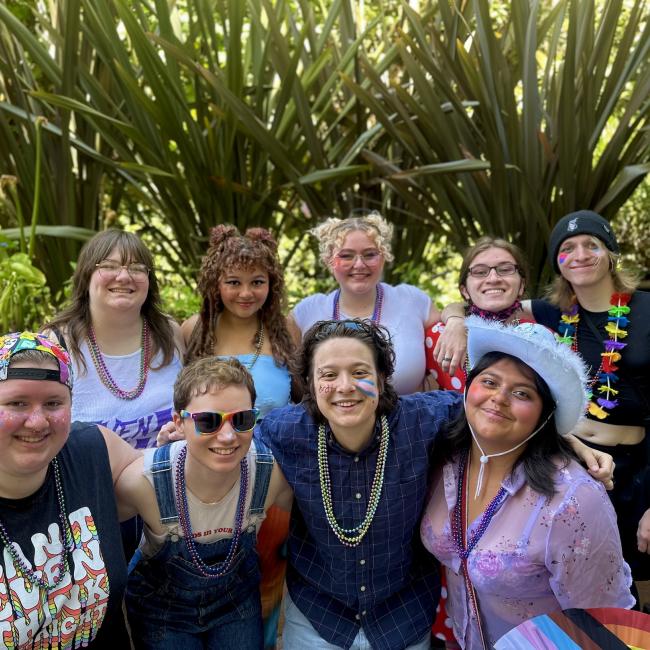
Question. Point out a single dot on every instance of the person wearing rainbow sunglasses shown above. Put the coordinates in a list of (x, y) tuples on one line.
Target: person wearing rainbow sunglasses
[(195, 579)]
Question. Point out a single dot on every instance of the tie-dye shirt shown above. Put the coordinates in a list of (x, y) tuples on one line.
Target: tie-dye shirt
[(536, 556)]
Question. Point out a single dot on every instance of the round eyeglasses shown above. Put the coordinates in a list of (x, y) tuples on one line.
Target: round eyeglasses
[(370, 258)]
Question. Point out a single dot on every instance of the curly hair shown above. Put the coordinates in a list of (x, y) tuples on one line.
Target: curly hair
[(230, 250), (76, 319), (374, 336), (332, 233)]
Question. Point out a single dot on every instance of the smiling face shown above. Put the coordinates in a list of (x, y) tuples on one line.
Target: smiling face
[(358, 264), (221, 452), (119, 292), (346, 386), (583, 260), (244, 292), (34, 423), (503, 406), (494, 292)]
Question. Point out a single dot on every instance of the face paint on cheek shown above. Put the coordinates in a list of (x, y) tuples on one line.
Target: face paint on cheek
[(561, 258), (367, 387)]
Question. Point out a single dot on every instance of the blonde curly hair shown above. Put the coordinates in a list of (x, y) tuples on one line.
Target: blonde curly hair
[(332, 233)]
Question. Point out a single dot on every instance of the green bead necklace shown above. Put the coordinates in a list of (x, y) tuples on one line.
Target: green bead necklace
[(352, 537)]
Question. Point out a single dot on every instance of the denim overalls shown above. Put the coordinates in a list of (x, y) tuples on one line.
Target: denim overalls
[(172, 606)]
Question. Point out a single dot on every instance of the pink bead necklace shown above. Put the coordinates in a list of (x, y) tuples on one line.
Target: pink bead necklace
[(105, 375)]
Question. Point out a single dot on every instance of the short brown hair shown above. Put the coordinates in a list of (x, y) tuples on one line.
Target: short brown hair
[(375, 337), (201, 375)]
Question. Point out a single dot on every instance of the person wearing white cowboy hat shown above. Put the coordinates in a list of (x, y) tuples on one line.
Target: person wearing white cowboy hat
[(519, 525)]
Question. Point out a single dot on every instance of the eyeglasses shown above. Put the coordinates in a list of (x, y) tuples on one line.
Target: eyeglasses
[(369, 258), (483, 270), (209, 422), (110, 270)]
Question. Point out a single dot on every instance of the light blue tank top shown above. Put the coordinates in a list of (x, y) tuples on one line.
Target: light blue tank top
[(272, 382)]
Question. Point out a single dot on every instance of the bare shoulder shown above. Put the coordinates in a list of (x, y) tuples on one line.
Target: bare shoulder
[(179, 339), (188, 327), (120, 453)]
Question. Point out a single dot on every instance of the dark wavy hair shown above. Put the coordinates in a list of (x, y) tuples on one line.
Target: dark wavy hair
[(541, 452), (229, 250), (75, 319), (375, 337)]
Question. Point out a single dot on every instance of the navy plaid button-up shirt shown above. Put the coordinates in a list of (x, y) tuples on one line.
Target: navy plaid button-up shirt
[(388, 584)]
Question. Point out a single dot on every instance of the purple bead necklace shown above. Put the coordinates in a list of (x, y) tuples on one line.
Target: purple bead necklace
[(221, 568), (459, 522), (376, 313), (67, 540), (105, 375)]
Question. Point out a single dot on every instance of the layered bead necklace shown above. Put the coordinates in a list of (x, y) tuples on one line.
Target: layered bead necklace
[(617, 319), (459, 522), (105, 375), (221, 568), (376, 312), (66, 534), (352, 537)]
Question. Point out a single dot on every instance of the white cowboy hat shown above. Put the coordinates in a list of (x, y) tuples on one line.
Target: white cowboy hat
[(560, 367)]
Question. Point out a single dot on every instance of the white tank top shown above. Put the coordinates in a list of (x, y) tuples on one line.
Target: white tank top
[(138, 420)]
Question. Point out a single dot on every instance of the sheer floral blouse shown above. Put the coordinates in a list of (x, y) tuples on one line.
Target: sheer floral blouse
[(536, 556)]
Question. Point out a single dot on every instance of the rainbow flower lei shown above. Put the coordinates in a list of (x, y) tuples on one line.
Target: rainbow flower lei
[(606, 374)]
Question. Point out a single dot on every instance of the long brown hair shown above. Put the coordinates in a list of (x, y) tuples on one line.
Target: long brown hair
[(231, 250), (76, 319)]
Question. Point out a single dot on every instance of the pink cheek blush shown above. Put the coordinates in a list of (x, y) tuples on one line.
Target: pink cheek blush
[(9, 419), (561, 258)]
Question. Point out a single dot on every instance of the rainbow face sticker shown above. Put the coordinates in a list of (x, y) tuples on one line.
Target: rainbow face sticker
[(367, 387)]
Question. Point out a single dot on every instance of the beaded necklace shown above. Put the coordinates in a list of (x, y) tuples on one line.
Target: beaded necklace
[(105, 375), (68, 541), (459, 526), (459, 522), (376, 313), (221, 568), (258, 346), (346, 535), (502, 316), (606, 374)]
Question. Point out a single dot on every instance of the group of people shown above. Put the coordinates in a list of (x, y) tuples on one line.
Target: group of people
[(320, 440)]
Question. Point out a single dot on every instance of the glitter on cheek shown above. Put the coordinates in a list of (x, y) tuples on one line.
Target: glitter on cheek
[(10, 419), (60, 417)]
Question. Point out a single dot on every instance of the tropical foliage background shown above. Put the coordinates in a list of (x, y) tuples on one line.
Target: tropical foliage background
[(453, 118)]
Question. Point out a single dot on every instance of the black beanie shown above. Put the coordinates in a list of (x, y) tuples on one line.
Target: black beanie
[(582, 222)]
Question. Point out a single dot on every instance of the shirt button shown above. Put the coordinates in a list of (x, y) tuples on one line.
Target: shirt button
[(363, 587), (362, 562), (357, 616), (356, 459), (357, 495), (175, 538), (363, 613)]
